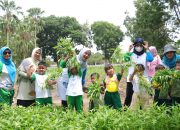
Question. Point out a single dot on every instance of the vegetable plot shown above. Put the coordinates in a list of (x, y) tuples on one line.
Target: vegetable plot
[(54, 118)]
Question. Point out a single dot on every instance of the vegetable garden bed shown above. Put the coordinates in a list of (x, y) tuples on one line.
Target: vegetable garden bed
[(54, 118)]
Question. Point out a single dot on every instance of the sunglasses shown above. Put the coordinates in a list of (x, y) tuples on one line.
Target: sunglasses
[(6, 52)]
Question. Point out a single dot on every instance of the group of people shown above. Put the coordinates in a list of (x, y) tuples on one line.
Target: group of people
[(34, 87)]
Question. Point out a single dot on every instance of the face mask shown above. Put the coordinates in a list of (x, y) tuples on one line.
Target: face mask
[(138, 49)]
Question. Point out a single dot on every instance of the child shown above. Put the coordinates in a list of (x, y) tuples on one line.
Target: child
[(43, 93), (74, 89), (112, 97), (162, 95), (175, 89), (156, 95), (141, 96), (151, 65), (63, 81), (95, 103)]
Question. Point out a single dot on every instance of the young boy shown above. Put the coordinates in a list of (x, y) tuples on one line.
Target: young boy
[(111, 83), (95, 103), (175, 89), (74, 89), (43, 93), (141, 97)]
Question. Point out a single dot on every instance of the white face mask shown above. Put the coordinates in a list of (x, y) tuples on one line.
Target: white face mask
[(138, 48)]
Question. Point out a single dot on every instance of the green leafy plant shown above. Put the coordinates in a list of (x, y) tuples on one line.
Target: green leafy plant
[(64, 46), (54, 73), (143, 82), (94, 90), (53, 118), (122, 58), (72, 62), (163, 79)]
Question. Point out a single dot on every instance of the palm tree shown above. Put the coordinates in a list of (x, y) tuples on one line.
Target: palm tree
[(35, 16), (23, 39), (10, 10)]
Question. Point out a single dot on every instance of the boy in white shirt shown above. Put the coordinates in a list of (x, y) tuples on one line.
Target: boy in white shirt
[(43, 92)]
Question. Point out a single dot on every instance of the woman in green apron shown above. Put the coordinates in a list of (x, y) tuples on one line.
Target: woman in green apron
[(7, 76)]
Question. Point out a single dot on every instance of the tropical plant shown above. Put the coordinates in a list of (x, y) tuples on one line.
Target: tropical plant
[(9, 19), (37, 23)]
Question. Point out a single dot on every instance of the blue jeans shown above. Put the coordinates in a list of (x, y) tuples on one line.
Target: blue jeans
[(84, 77)]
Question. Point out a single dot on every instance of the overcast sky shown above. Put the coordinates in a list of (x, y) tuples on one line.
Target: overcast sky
[(84, 10)]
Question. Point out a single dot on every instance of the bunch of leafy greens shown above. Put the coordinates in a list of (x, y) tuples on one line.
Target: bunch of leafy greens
[(122, 58), (94, 90), (54, 74), (64, 46)]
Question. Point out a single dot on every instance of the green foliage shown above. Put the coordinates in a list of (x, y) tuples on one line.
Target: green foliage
[(56, 28), (54, 118), (54, 74), (96, 58), (64, 46), (122, 58), (144, 83), (163, 79), (72, 62), (106, 36), (150, 22), (94, 90)]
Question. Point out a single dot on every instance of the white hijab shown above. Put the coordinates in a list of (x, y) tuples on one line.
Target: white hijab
[(30, 61), (81, 59)]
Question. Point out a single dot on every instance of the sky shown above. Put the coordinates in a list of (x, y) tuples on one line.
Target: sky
[(112, 11)]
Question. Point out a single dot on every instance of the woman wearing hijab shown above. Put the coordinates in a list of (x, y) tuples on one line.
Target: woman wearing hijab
[(7, 76), (170, 57), (152, 65), (25, 90), (140, 55), (84, 54)]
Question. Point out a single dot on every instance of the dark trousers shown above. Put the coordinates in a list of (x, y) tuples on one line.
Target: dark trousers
[(25, 103), (129, 94), (64, 103)]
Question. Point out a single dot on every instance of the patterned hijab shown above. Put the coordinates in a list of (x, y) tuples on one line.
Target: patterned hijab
[(9, 64)]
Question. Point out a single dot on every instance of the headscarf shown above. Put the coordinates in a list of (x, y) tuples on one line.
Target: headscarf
[(80, 58), (138, 53), (30, 61), (9, 64), (141, 41), (171, 63), (33, 53), (153, 50)]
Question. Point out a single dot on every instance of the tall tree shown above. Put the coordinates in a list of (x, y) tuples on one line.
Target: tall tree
[(87, 31), (150, 22), (23, 40), (56, 28), (9, 18), (107, 37), (35, 16)]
